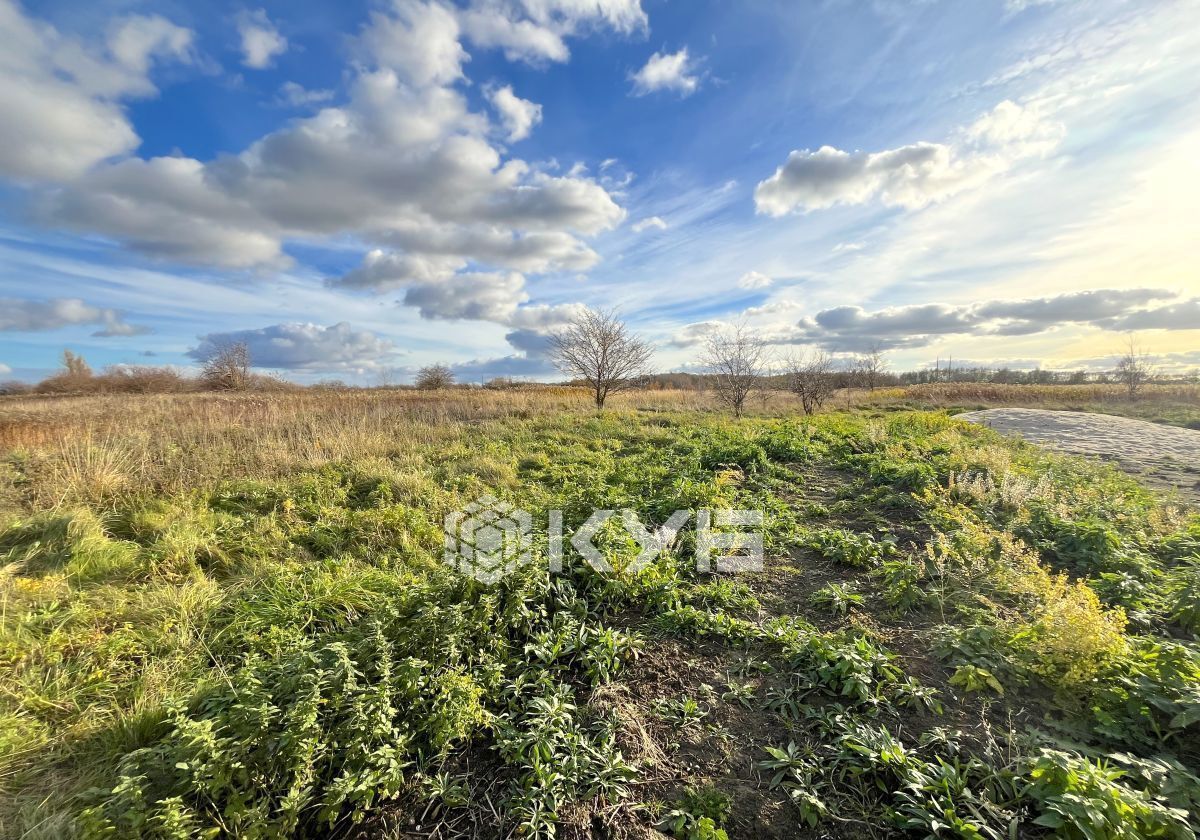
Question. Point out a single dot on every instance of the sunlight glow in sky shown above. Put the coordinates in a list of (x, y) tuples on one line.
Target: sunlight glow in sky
[(360, 189)]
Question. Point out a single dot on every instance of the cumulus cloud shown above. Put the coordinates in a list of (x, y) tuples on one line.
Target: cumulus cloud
[(533, 343), (480, 296), (1178, 316), (754, 280), (650, 222), (514, 366), (667, 71), (404, 166), (4, 369), (852, 329), (17, 315), (404, 163), (487, 296), (910, 176), (418, 41), (535, 31), (693, 334), (518, 115), (60, 104), (308, 347), (261, 41), (294, 95), (382, 271)]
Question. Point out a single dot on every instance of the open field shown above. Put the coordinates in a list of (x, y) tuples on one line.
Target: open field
[(228, 615)]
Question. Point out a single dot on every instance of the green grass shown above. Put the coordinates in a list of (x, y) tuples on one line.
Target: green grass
[(288, 656)]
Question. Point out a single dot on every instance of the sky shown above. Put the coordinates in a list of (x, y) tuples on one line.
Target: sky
[(356, 190)]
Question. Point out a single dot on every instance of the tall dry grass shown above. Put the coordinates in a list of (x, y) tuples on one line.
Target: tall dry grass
[(93, 449)]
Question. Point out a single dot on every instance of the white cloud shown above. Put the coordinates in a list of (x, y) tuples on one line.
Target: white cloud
[(910, 176), (522, 40), (295, 95), (17, 315), (136, 42), (60, 110), (475, 295), (848, 247), (382, 271), (534, 31), (667, 71), (4, 369), (649, 222), (518, 115), (543, 317), (754, 280), (693, 334), (261, 41), (404, 162), (851, 328), (310, 347), (418, 41)]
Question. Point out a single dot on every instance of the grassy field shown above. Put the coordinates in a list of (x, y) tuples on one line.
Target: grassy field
[(228, 616)]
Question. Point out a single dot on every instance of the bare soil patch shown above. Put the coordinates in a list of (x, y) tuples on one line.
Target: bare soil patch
[(1164, 457)]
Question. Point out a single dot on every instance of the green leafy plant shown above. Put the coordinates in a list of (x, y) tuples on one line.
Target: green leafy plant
[(838, 598)]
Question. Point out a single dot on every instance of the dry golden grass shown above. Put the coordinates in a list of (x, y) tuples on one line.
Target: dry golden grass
[(93, 449)]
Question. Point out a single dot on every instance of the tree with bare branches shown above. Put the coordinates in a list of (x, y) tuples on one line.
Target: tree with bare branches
[(598, 348), (434, 378), (871, 366), (227, 367), (737, 360), (811, 377), (1133, 369)]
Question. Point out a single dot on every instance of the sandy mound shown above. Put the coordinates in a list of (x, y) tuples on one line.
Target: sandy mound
[(1165, 457)]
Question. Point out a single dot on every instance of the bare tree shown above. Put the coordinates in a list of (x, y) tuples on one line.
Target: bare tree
[(1133, 370), (811, 377), (737, 360), (75, 376), (871, 366), (598, 348), (227, 367), (434, 378)]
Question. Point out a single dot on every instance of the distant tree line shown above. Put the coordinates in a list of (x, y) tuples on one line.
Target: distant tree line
[(227, 368), (598, 351)]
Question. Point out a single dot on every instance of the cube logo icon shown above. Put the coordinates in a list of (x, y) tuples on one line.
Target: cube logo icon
[(488, 539)]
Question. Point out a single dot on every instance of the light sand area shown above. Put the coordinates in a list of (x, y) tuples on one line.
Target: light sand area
[(1163, 457)]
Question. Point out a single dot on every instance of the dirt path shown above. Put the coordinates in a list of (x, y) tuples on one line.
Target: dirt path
[(1164, 457)]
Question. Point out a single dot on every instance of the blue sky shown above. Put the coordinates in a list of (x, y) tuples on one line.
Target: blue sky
[(357, 190)]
